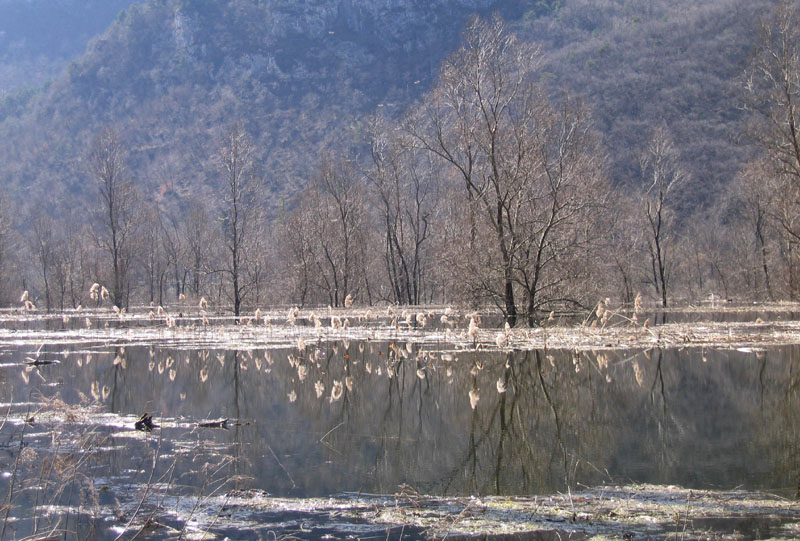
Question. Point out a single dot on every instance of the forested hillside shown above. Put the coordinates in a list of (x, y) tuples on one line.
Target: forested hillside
[(324, 133), (169, 74), (305, 75), (641, 64)]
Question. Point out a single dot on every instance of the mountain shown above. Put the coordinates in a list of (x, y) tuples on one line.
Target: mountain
[(169, 73), (302, 76), (39, 37), (640, 64)]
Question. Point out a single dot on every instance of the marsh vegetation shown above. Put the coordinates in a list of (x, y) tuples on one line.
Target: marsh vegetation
[(345, 421)]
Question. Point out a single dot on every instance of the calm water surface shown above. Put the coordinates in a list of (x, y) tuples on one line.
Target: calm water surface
[(369, 417)]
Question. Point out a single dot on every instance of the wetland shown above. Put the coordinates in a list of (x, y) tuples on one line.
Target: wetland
[(376, 423)]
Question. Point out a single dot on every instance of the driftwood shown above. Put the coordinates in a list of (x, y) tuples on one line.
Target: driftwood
[(40, 362), (222, 423), (145, 423)]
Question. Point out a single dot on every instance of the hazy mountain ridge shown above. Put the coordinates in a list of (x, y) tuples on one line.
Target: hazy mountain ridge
[(38, 37), (169, 73), (303, 75)]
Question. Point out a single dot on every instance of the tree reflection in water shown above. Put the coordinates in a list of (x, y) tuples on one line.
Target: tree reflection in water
[(394, 414)]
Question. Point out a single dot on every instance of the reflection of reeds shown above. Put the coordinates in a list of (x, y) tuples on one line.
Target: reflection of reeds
[(637, 372), (474, 397), (337, 391), (120, 360)]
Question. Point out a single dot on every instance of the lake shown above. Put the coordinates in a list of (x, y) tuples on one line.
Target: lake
[(315, 417)]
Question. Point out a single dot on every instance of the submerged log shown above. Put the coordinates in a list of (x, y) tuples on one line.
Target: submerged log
[(40, 362), (145, 423), (222, 423)]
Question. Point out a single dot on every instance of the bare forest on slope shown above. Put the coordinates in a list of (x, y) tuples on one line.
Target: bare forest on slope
[(565, 152)]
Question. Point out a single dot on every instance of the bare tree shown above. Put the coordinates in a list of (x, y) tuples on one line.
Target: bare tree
[(42, 244), (531, 172), (341, 212), (326, 236), (404, 183), (625, 247), (772, 96), (259, 269), (557, 223), (7, 243), (772, 91), (197, 237), (70, 267), (296, 245), (241, 214), (343, 207), (482, 104), (115, 234), (663, 177), (755, 206), (155, 253), (173, 251)]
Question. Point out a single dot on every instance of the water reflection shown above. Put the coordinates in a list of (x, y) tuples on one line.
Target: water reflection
[(323, 418)]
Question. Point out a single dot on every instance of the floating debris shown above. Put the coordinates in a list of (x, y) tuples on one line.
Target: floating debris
[(145, 423), (221, 423)]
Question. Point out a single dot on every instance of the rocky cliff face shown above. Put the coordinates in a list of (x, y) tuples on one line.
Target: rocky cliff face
[(293, 39)]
